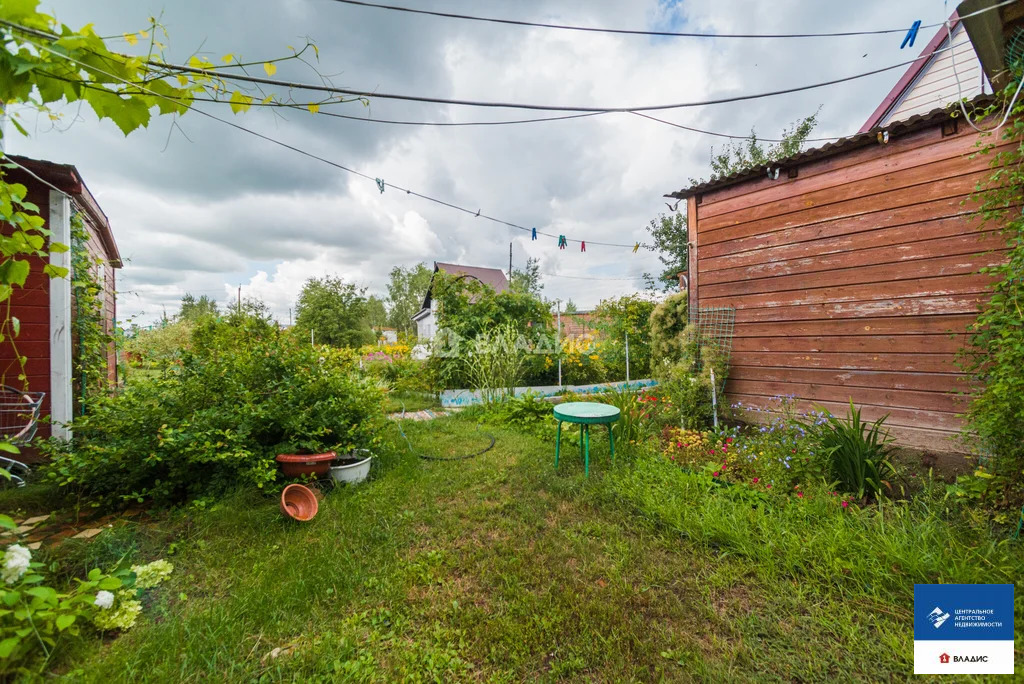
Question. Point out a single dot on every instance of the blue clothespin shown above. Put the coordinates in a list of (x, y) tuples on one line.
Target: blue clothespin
[(533, 235), (380, 185), (911, 35), (562, 244)]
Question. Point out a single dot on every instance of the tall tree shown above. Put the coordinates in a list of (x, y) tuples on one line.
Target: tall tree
[(192, 308), (528, 279), (334, 311), (406, 290), (670, 239), (376, 314), (570, 306)]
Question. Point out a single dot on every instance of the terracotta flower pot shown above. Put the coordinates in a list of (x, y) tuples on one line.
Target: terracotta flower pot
[(293, 465), (298, 502)]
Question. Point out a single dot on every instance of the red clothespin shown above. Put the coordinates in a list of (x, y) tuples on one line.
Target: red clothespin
[(583, 246)]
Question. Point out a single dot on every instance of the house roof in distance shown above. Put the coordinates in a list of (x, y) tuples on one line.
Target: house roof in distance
[(66, 178), (493, 277)]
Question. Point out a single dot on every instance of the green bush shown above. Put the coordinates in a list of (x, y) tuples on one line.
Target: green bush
[(688, 381), (615, 319), (857, 452), (668, 321), (242, 393)]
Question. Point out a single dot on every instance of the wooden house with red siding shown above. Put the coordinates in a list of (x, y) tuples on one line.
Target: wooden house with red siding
[(45, 307), (853, 269)]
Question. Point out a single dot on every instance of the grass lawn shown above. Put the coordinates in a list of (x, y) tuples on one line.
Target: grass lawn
[(412, 401), (500, 568)]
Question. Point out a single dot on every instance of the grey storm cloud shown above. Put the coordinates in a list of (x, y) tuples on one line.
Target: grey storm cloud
[(198, 206)]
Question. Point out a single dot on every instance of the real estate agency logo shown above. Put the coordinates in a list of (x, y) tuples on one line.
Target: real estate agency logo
[(938, 617), (945, 659)]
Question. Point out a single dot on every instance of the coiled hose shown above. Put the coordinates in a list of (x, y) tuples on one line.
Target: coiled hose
[(425, 457)]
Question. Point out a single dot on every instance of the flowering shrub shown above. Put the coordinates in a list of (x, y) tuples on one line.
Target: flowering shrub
[(34, 618)]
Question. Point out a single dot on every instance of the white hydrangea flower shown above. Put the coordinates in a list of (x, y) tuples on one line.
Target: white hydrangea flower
[(16, 562), (104, 600), (152, 574)]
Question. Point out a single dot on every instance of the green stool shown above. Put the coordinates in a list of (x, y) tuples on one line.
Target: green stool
[(585, 413)]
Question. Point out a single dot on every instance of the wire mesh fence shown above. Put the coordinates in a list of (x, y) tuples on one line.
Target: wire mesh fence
[(713, 327)]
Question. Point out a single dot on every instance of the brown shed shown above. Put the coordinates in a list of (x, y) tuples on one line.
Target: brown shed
[(853, 269)]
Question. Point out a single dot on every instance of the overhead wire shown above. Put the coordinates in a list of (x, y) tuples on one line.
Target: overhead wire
[(314, 87), (633, 32), (478, 213)]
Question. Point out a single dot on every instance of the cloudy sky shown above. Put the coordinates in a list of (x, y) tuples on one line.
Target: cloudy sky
[(199, 207)]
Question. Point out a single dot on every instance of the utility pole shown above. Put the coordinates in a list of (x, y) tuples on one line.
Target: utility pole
[(510, 263), (239, 299), (289, 316), (558, 348)]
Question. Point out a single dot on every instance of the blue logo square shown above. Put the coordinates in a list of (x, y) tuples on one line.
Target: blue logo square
[(963, 612)]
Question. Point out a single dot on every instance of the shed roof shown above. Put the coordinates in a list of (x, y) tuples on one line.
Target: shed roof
[(840, 146), (66, 178)]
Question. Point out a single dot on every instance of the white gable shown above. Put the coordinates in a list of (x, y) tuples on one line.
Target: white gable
[(936, 85)]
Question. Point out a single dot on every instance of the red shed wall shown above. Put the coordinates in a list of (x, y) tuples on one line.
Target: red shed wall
[(855, 280), (31, 306)]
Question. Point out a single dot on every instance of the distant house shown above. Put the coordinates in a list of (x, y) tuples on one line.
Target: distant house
[(45, 307), (387, 336), (931, 83), (426, 317)]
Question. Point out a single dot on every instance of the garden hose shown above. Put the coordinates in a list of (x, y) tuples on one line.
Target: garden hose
[(443, 458)]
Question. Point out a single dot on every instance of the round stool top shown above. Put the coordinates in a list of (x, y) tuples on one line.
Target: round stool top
[(586, 412)]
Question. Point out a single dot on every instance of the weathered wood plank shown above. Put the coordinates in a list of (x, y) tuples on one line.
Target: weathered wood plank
[(930, 267), (905, 218), (946, 402), (911, 363), (893, 325), (873, 344), (967, 283), (921, 382), (932, 420), (848, 186), (959, 187), (940, 149), (920, 306), (862, 249)]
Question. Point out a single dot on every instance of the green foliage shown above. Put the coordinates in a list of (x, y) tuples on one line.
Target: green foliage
[(994, 357), (570, 307), (193, 309), (468, 310), (857, 452), (746, 154), (242, 393), (528, 279), (376, 314), (158, 347), (688, 382), (407, 288), (334, 311), (668, 323), (494, 363), (92, 340), (638, 414), (671, 240), (615, 319), (36, 620)]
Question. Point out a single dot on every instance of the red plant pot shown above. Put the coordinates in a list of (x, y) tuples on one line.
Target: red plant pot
[(298, 502), (293, 465)]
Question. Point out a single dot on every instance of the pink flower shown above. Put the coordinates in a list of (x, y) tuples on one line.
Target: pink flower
[(715, 474), (768, 486), (756, 480), (679, 445), (724, 450), (800, 495), (846, 504)]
